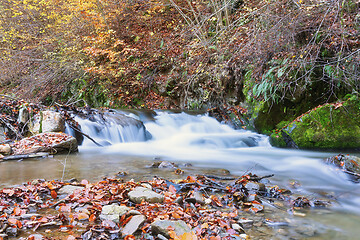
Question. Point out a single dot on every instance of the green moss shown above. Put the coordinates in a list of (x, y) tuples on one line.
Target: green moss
[(331, 126), (277, 140)]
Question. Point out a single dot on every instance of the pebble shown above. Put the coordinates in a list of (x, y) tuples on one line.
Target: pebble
[(140, 193)]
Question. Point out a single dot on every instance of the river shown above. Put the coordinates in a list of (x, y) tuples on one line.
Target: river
[(210, 147)]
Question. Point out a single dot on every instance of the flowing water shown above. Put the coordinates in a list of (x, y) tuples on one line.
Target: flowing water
[(209, 146)]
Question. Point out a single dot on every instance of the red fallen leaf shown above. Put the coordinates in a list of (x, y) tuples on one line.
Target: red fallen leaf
[(215, 238), (92, 218), (188, 236), (53, 194), (82, 216), (12, 221), (172, 189), (216, 201), (130, 237), (19, 224), (17, 211), (191, 179)]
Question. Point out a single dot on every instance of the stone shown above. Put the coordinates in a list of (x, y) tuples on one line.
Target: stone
[(133, 212), (133, 225), (347, 163), (140, 193), (237, 228), (2, 134), (196, 198), (69, 189), (46, 142), (5, 149), (36, 237), (162, 226), (47, 121), (12, 231), (23, 116), (113, 212), (255, 187)]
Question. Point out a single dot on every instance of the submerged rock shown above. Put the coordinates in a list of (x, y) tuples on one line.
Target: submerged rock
[(140, 193), (329, 126)]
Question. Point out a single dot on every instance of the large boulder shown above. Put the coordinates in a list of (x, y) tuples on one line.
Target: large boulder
[(46, 142), (329, 126), (47, 121)]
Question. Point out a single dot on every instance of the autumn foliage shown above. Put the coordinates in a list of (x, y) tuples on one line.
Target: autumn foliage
[(179, 53)]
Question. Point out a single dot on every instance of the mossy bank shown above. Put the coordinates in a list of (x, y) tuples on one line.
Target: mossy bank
[(328, 126)]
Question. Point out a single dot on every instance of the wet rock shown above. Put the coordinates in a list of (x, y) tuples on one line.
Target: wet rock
[(163, 164), (3, 235), (46, 142), (255, 187), (5, 149), (196, 198), (11, 231), (162, 226), (141, 193), (23, 116), (69, 189), (348, 164), (133, 225), (246, 223), (47, 121), (237, 228), (113, 212)]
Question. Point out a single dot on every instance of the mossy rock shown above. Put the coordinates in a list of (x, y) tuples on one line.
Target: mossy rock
[(329, 126)]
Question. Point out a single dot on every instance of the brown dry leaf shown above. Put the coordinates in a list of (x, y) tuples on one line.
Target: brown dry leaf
[(92, 218), (17, 211), (53, 194), (12, 221), (188, 236), (82, 216)]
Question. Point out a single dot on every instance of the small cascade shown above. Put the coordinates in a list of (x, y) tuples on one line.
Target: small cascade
[(110, 128)]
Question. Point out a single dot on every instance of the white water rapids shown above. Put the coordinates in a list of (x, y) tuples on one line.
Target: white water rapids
[(204, 142)]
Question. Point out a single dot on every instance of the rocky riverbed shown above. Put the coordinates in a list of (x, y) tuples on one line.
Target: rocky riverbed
[(219, 206)]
